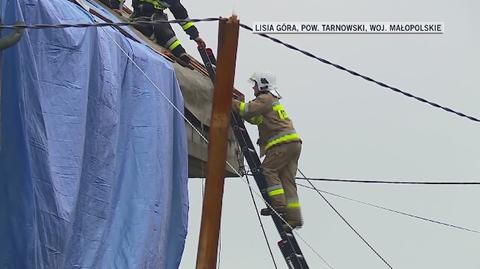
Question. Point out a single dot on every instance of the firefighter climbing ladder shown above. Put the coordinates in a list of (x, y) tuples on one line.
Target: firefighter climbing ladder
[(288, 245)]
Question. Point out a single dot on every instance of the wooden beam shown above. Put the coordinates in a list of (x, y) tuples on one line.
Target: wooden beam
[(217, 148)]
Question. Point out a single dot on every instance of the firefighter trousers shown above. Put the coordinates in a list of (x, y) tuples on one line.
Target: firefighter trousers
[(280, 168), (163, 32)]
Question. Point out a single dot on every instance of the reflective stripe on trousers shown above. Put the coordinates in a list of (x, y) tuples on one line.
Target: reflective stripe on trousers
[(275, 190), (172, 43)]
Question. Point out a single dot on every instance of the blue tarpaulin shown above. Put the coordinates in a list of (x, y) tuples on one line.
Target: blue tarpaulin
[(93, 159)]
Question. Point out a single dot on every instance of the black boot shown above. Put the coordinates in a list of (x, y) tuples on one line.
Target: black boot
[(185, 59), (181, 54), (268, 212)]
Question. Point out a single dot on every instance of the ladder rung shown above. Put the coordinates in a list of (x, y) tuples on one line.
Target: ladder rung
[(290, 235), (240, 128), (247, 149)]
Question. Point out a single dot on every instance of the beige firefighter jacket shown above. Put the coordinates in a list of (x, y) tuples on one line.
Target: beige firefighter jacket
[(274, 125)]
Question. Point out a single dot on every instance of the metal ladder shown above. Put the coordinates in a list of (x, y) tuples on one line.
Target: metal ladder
[(288, 244)]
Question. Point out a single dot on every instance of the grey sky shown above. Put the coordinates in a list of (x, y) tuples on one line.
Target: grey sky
[(355, 129)]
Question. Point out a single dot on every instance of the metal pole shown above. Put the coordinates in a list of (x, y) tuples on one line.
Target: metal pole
[(217, 148)]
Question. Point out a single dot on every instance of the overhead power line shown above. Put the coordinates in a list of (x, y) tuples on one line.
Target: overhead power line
[(354, 73), (392, 182), (133, 23), (392, 210), (101, 24)]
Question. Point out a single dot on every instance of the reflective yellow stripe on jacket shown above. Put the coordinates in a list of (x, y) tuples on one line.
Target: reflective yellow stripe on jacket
[(187, 25), (282, 138), (242, 109)]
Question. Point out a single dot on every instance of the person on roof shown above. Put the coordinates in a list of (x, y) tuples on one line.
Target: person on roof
[(280, 144), (152, 10)]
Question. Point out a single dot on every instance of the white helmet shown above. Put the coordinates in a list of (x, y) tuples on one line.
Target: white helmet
[(266, 81)]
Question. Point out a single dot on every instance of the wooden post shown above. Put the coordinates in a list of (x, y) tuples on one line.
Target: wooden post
[(217, 148)]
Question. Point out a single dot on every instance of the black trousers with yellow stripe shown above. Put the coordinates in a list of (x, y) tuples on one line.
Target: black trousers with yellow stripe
[(163, 32)]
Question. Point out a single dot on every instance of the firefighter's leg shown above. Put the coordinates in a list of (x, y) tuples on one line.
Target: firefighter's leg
[(271, 165), (115, 4), (287, 176), (143, 12), (166, 37)]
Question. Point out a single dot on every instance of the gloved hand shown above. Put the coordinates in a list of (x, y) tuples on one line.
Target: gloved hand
[(201, 44)]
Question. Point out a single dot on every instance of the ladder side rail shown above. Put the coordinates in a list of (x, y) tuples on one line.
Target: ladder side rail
[(208, 64)]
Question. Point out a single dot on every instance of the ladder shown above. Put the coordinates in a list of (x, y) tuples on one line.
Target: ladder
[(288, 244)]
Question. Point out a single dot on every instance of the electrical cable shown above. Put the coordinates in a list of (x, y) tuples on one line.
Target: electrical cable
[(283, 220), (102, 24), (392, 210), (392, 182), (349, 225), (354, 73), (261, 223), (149, 22)]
